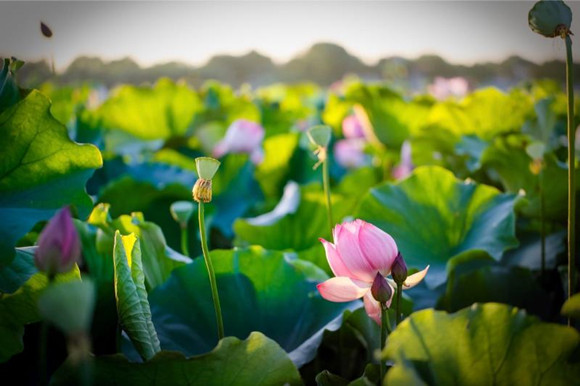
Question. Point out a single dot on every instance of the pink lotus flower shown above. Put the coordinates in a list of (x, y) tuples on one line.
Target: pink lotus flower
[(359, 252), (349, 153), (405, 167), (443, 88), (242, 137), (59, 247), (352, 127)]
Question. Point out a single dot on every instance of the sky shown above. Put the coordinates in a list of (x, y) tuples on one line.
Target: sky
[(463, 32)]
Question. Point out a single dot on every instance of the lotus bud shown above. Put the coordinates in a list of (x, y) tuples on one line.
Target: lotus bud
[(45, 30), (181, 212), (59, 246), (206, 169), (381, 290), (399, 270), (352, 127), (550, 18)]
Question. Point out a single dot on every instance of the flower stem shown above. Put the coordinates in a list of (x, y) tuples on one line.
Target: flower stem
[(385, 329), (184, 238), (44, 329), (571, 169), (211, 273), (542, 224), (398, 305), (326, 183)]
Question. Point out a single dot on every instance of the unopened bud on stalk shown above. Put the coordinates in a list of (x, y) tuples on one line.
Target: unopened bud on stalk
[(206, 169), (59, 246), (381, 290), (399, 270), (550, 18), (181, 212)]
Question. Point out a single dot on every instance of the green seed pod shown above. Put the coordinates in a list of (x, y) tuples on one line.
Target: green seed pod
[(550, 18), (181, 211), (69, 305), (320, 135), (206, 167)]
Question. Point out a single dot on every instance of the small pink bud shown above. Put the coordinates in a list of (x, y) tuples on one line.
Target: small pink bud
[(59, 246), (381, 290), (399, 270), (352, 128)]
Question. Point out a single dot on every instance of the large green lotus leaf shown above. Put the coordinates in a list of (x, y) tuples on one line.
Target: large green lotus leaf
[(41, 170), (20, 269), (508, 158), (259, 290), (272, 172), (298, 229), (493, 112), (434, 217), (486, 344), (221, 103), (66, 99), (393, 119), (480, 279), (158, 259), (19, 308), (571, 307), (160, 112), (255, 361)]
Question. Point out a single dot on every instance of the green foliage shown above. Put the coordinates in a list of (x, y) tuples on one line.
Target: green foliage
[(571, 307), (160, 112), (41, 171), (9, 91), (273, 171), (255, 361), (259, 290), (484, 344), (158, 259), (132, 304), (434, 217), (19, 308)]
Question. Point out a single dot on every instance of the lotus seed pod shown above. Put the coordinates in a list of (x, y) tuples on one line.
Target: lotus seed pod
[(206, 167), (320, 135), (181, 211), (202, 190), (69, 305), (381, 290), (550, 18)]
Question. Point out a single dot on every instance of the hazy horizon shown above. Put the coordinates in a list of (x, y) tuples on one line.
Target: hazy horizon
[(150, 33)]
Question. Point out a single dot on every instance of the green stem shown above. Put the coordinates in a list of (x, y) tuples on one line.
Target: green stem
[(384, 329), (326, 183), (44, 330), (542, 224), (398, 305), (184, 238), (571, 169), (211, 274)]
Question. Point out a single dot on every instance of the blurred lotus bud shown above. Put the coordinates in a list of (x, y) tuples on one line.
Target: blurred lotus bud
[(381, 290), (59, 246), (405, 167), (181, 212), (45, 30), (349, 153), (399, 269), (352, 127), (443, 88), (550, 18), (242, 137)]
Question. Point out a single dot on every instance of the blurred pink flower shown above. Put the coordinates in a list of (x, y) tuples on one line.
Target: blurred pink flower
[(443, 88), (352, 127), (359, 252), (349, 153), (59, 247), (405, 167), (242, 137)]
